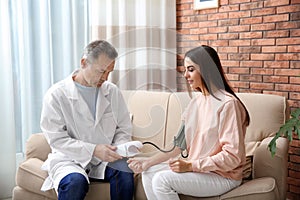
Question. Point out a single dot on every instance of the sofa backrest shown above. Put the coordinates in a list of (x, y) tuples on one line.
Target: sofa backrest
[(149, 112), (267, 113), (156, 117)]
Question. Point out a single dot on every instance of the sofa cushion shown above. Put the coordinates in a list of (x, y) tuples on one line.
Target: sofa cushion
[(148, 116), (31, 170), (31, 177), (261, 188), (267, 113)]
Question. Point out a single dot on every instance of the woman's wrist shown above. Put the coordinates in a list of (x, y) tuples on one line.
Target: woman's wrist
[(146, 164), (190, 166)]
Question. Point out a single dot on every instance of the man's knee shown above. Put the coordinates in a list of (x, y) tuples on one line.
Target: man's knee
[(74, 184), (126, 178), (74, 179)]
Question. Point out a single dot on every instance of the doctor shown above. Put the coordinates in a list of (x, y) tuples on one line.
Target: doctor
[(83, 118)]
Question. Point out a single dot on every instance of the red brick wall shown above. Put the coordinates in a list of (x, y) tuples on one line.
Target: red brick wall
[(258, 42)]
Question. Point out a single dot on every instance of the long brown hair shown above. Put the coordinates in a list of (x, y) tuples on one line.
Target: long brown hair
[(211, 71)]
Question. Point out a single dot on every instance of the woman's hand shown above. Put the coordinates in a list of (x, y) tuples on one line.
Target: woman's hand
[(137, 164), (178, 165)]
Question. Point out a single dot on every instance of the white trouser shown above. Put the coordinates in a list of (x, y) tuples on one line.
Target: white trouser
[(161, 183)]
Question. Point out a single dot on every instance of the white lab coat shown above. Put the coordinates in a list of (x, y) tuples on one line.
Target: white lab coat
[(73, 133)]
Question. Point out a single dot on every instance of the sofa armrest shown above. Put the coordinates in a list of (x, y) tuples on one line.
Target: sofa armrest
[(264, 165), (37, 147), (30, 177)]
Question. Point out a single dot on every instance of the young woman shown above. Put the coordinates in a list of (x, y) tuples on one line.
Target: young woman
[(214, 125)]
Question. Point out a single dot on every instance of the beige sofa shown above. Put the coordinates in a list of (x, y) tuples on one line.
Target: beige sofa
[(156, 117)]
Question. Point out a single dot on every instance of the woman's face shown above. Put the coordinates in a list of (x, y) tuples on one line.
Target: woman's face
[(192, 74)]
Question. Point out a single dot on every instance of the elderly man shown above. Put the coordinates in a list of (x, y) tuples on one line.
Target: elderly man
[(83, 118)]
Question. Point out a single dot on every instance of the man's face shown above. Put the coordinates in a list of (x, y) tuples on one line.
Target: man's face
[(97, 72)]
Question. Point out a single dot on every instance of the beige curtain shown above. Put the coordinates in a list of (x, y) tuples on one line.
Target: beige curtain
[(144, 33)]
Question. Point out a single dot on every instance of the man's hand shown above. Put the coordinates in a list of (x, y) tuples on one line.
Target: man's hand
[(106, 152), (178, 165)]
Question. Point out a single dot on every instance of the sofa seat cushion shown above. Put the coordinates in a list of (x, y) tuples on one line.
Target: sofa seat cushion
[(31, 177), (254, 189), (98, 191), (259, 189)]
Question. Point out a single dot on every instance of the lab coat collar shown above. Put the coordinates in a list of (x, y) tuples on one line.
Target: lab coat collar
[(73, 92), (102, 102)]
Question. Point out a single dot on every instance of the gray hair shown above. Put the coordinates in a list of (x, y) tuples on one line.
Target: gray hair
[(93, 50)]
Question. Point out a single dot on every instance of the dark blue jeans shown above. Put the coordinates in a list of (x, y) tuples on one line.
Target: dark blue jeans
[(75, 186)]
